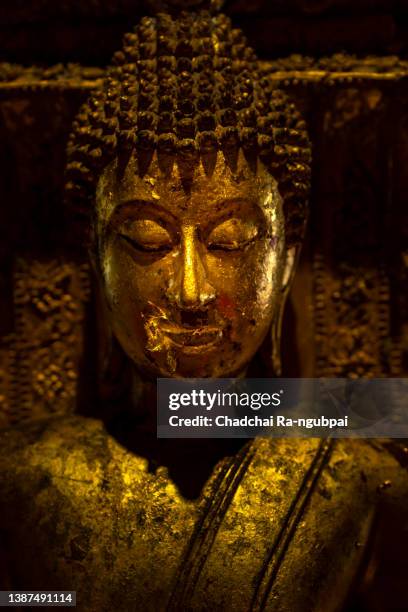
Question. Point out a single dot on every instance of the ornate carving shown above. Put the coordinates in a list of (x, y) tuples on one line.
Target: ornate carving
[(71, 74), (43, 355), (291, 70), (351, 277), (338, 63), (351, 320)]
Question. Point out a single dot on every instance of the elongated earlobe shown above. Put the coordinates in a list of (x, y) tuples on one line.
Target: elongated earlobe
[(292, 256), (113, 366)]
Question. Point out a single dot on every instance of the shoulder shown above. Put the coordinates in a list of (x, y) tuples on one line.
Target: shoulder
[(71, 457), (40, 431), (70, 436), (313, 499), (372, 461)]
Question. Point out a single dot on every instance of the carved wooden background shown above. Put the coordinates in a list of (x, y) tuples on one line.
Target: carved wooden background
[(348, 314)]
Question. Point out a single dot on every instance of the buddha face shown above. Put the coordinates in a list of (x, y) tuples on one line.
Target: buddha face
[(192, 278)]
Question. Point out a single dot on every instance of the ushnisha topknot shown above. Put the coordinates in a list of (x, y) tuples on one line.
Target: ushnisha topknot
[(186, 87)]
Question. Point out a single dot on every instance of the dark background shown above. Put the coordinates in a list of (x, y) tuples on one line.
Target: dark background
[(90, 30)]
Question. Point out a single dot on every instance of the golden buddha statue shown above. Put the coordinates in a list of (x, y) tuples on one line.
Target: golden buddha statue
[(190, 175)]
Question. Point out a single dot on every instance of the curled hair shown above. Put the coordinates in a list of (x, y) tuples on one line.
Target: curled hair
[(187, 87)]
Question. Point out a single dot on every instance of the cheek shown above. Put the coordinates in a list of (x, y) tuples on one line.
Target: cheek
[(130, 290), (268, 273), (129, 285), (227, 306), (247, 283)]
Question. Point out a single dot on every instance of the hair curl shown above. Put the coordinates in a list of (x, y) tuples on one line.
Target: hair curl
[(187, 87)]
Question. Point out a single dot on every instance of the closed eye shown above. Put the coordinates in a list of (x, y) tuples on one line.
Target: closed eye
[(145, 248), (146, 236), (231, 235)]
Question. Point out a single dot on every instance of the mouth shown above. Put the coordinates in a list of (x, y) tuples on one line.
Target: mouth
[(192, 338), (190, 333)]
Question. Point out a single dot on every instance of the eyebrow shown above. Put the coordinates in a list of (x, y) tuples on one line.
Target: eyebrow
[(138, 204), (235, 200), (231, 203)]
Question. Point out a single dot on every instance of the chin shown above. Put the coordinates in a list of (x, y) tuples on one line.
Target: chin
[(187, 364), (202, 366)]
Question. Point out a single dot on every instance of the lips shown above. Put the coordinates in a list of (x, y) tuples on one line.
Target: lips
[(192, 334), (192, 337)]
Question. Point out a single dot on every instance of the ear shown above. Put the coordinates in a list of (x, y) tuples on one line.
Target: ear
[(292, 256), (113, 366), (291, 259), (101, 314)]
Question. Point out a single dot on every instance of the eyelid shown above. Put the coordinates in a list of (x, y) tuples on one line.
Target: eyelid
[(146, 235), (145, 230), (232, 234), (145, 208)]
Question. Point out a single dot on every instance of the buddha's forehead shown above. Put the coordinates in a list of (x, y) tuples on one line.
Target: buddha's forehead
[(206, 190)]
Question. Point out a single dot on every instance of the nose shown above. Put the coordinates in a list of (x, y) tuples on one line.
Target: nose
[(189, 289)]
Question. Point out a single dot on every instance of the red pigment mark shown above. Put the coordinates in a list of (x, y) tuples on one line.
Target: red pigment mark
[(226, 306)]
